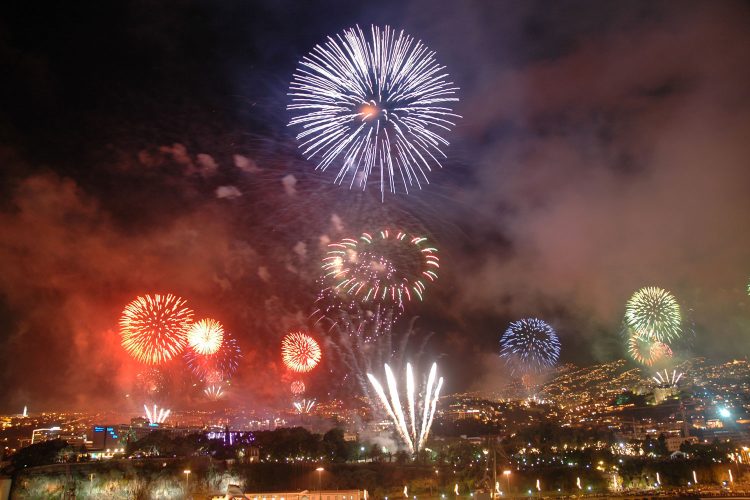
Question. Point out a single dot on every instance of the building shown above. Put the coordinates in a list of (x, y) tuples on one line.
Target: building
[(104, 437), (674, 442)]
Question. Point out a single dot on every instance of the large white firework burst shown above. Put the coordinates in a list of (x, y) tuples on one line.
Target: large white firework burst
[(654, 312), (373, 102)]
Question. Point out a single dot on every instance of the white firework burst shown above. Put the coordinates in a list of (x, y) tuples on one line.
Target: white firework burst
[(377, 102), (414, 432)]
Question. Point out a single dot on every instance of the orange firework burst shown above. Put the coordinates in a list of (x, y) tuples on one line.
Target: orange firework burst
[(154, 327), (644, 349), (300, 352), (206, 336)]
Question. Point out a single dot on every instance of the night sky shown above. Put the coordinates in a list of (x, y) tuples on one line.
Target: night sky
[(144, 147)]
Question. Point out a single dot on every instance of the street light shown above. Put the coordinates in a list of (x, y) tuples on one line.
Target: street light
[(187, 479), (319, 470), (506, 473)]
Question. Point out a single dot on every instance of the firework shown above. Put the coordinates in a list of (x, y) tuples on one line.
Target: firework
[(216, 367), (305, 406), (154, 327), (530, 345), (378, 102), (213, 377), (654, 312), (206, 336), (660, 350), (297, 387), (300, 352), (415, 432), (151, 381), (666, 379), (361, 343), (214, 392), (645, 350), (156, 417), (388, 266)]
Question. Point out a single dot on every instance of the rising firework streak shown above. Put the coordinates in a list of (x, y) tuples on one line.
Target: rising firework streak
[(414, 432)]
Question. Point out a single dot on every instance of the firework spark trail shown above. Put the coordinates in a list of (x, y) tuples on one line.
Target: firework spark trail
[(358, 351), (396, 402), (433, 409), (426, 411), (154, 327), (414, 438), (410, 397), (389, 409), (373, 103)]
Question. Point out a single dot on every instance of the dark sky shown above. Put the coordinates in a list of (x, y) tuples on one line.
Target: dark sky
[(605, 146)]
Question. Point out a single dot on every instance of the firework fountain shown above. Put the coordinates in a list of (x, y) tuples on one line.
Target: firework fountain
[(667, 379), (362, 342), (414, 432), (156, 415), (304, 406)]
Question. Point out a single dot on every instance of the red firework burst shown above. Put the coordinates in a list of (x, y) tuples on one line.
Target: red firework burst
[(297, 387)]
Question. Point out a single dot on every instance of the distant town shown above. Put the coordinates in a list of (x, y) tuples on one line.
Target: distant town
[(599, 430)]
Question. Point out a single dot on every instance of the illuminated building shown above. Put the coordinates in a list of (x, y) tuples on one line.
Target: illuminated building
[(104, 436)]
